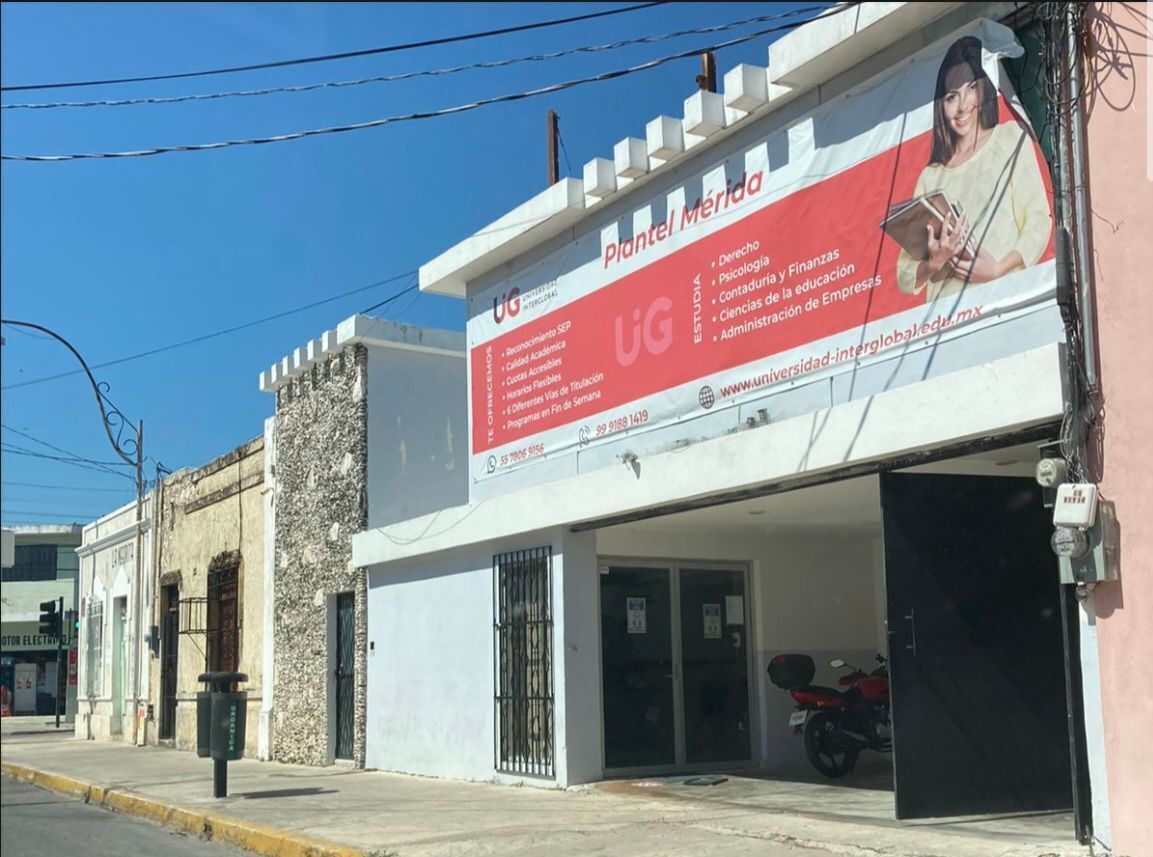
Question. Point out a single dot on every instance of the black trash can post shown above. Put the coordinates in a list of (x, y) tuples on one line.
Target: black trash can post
[(221, 715)]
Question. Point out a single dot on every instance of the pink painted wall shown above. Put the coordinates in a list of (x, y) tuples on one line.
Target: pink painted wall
[(1122, 203)]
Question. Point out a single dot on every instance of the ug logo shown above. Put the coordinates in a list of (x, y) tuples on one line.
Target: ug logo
[(654, 332), (506, 306)]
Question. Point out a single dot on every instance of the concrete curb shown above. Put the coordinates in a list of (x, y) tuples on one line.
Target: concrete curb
[(206, 825)]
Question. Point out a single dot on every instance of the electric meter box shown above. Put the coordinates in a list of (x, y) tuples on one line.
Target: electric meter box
[(1099, 562), (1075, 506)]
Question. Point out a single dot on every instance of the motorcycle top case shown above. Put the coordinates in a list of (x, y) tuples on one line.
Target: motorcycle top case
[(792, 671)]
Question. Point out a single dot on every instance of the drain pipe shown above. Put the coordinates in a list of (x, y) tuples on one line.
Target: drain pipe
[(1078, 181)]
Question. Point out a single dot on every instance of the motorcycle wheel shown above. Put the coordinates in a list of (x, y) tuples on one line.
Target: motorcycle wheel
[(826, 749)]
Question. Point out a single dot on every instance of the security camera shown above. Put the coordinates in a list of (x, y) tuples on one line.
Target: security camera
[(1051, 472)]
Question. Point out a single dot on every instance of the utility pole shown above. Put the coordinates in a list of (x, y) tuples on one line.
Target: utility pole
[(707, 79), (139, 606), (553, 134)]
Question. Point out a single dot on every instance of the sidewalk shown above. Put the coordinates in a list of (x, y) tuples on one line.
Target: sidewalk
[(28, 724), (294, 810)]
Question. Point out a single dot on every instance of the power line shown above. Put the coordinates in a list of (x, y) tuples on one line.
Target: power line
[(204, 337), (75, 502), (389, 299), (62, 487), (71, 459), (9, 449), (409, 75), (74, 455), (446, 40), (409, 117), (77, 517)]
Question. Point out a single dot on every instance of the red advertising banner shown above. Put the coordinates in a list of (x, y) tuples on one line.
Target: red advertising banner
[(777, 286)]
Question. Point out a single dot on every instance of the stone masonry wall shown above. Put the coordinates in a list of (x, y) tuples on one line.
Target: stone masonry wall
[(321, 501), (214, 510)]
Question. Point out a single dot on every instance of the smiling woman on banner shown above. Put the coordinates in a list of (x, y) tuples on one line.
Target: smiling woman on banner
[(988, 210)]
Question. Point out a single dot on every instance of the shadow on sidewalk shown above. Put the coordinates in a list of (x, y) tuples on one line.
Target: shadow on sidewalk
[(303, 792)]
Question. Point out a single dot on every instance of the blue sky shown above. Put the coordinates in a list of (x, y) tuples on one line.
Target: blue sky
[(128, 255)]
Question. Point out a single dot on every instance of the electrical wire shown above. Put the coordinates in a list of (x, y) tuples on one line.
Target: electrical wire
[(389, 299), (8, 446), (409, 75), (9, 449), (426, 114), (74, 455), (427, 43), (47, 487), (86, 516), (204, 337)]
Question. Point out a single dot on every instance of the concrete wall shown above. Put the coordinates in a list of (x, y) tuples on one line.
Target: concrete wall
[(1121, 193), (430, 663), (417, 433), (213, 510), (321, 500), (996, 398), (430, 667)]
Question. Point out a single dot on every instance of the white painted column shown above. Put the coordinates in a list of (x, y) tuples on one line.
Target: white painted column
[(576, 622), (268, 660)]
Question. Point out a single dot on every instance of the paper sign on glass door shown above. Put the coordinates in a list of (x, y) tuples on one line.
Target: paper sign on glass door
[(734, 609), (637, 616), (712, 621)]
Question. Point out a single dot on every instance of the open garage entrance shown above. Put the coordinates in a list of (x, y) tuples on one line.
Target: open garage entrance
[(945, 569)]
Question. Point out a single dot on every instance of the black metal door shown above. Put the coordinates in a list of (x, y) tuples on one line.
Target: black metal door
[(169, 654), (975, 647), (345, 673)]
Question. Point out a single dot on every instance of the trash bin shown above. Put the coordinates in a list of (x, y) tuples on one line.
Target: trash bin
[(221, 716), (229, 710)]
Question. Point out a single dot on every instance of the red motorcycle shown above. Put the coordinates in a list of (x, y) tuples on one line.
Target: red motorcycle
[(837, 724)]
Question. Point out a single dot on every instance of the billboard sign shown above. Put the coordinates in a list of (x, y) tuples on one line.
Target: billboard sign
[(910, 211)]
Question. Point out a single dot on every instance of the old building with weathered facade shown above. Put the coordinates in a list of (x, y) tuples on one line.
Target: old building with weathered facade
[(208, 607), (116, 584), (369, 429)]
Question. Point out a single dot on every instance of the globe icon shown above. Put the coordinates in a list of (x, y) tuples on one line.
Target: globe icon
[(706, 397)]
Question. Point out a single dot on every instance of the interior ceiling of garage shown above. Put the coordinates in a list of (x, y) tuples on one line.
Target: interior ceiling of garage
[(848, 506)]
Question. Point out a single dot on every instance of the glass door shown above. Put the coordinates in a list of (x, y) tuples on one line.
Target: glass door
[(675, 666), (637, 668), (714, 665)]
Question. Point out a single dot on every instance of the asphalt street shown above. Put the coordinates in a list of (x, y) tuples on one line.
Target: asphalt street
[(34, 821)]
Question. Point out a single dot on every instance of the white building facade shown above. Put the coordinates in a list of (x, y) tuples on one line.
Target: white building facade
[(717, 412), (117, 589)]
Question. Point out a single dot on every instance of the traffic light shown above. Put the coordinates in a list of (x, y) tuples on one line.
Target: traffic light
[(49, 619)]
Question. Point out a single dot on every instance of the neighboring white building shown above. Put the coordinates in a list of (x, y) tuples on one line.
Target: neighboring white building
[(714, 418), (117, 588), (44, 568), (370, 429)]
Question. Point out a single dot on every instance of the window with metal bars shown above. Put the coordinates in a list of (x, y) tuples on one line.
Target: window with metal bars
[(522, 622), (223, 632), (94, 662)]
